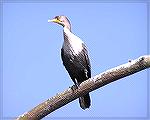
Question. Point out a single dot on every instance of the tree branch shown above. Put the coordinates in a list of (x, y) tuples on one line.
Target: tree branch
[(89, 85)]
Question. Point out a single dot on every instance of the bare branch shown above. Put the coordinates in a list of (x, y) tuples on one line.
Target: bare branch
[(89, 85)]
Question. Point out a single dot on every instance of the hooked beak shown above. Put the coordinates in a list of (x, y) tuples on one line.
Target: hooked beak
[(54, 20)]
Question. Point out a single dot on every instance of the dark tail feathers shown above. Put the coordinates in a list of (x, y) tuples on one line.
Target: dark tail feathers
[(85, 101)]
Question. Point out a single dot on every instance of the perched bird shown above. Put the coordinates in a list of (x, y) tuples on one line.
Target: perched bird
[(75, 57)]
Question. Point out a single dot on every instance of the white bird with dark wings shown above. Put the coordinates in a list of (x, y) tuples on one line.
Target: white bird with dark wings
[(75, 58)]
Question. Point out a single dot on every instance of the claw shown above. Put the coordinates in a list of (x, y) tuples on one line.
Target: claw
[(74, 87)]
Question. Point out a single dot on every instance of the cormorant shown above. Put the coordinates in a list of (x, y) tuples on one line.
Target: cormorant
[(75, 58)]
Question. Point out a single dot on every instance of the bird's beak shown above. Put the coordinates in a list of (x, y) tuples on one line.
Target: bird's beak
[(54, 20)]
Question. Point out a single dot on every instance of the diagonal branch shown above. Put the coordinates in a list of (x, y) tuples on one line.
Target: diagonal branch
[(89, 85)]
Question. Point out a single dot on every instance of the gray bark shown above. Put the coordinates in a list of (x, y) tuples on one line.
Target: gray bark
[(85, 87)]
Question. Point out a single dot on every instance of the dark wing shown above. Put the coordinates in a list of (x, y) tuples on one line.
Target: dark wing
[(68, 63), (77, 65), (87, 60)]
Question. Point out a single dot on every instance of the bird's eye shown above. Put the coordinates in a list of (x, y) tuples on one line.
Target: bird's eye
[(57, 17), (60, 20)]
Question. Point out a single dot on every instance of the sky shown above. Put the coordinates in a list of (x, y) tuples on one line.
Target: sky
[(32, 68)]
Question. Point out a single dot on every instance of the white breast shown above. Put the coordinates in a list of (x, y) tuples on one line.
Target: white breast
[(75, 41)]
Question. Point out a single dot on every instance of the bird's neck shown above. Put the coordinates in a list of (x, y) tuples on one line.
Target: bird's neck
[(68, 26), (67, 31), (72, 41)]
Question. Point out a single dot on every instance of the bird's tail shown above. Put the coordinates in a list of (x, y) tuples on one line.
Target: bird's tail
[(85, 101)]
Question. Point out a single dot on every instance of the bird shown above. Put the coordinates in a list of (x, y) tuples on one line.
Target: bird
[(75, 57)]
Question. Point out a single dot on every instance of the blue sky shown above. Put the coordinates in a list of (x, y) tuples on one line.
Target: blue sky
[(33, 70)]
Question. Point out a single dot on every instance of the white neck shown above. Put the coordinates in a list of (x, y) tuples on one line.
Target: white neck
[(75, 41)]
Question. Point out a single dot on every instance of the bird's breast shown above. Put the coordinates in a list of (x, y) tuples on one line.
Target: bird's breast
[(74, 41)]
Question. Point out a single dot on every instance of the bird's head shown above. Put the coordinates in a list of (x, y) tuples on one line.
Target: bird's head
[(61, 20)]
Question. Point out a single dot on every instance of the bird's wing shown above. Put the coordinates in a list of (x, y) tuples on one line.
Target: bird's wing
[(73, 61), (67, 62), (87, 60)]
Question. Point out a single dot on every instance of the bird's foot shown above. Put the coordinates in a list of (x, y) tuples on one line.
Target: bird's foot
[(74, 87)]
